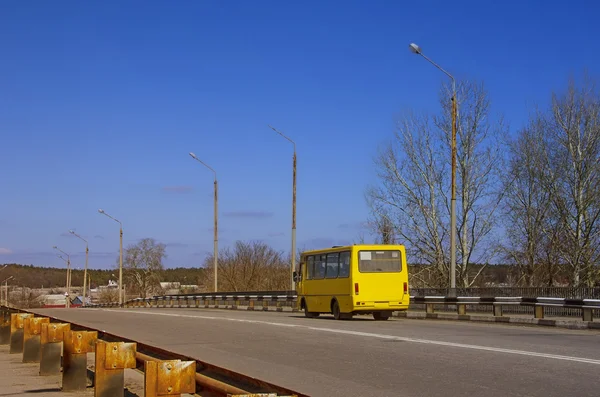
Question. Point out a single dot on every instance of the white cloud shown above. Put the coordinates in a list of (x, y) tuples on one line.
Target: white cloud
[(5, 251)]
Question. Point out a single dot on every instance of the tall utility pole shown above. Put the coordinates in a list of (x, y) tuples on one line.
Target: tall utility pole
[(417, 50), (68, 286), (120, 255), (293, 264), (86, 264), (216, 220), (5, 281)]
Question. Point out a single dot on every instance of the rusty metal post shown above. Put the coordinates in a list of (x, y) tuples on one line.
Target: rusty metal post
[(169, 378), (429, 308), (32, 329), (77, 344), (587, 314), (51, 341), (250, 304), (16, 331), (112, 358), (5, 328), (497, 310), (461, 309), (539, 311)]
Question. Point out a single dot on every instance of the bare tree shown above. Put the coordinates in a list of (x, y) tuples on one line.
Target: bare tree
[(250, 266), (573, 129), (527, 206), (108, 295), (413, 172), (142, 264)]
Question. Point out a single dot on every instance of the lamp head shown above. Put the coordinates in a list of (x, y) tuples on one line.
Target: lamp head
[(100, 210), (55, 247), (72, 231), (193, 155), (414, 48)]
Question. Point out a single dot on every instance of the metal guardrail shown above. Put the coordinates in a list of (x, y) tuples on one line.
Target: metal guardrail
[(280, 299), (39, 340)]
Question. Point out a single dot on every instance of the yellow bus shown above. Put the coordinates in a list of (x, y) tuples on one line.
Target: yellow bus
[(355, 279)]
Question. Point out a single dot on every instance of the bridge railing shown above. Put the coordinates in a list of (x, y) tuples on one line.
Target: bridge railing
[(586, 309)]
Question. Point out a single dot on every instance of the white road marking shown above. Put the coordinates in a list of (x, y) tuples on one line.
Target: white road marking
[(376, 336)]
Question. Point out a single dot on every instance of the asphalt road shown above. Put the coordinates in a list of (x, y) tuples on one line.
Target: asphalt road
[(399, 357)]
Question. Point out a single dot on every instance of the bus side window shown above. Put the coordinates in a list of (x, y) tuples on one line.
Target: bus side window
[(332, 265), (344, 264), (310, 267), (320, 264)]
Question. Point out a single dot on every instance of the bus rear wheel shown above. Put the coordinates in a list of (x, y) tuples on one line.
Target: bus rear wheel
[(337, 314), (309, 314), (381, 316)]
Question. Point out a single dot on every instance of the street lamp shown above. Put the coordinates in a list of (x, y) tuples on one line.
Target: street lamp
[(6, 290), (67, 301), (68, 268), (293, 265), (86, 263), (120, 254), (417, 50), (216, 227)]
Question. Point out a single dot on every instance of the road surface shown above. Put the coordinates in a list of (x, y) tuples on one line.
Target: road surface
[(398, 357)]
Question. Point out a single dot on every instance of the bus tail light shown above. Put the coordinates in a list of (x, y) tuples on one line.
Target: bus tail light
[(356, 288), (405, 287)]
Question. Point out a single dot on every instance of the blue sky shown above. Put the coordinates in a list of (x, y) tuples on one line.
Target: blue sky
[(100, 103)]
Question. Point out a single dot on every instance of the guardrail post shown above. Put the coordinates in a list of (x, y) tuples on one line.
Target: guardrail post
[(197, 301), (461, 309), (587, 314), (497, 310), (112, 358), (32, 328), (250, 304), (77, 344), (539, 311), (16, 331), (169, 378), (265, 305), (5, 328), (429, 308), (51, 339), (171, 301)]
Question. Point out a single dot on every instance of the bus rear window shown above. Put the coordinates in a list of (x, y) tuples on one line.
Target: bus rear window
[(379, 261)]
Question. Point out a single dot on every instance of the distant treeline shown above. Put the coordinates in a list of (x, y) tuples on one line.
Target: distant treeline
[(49, 277)]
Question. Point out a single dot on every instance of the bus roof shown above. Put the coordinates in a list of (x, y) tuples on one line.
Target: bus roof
[(355, 247)]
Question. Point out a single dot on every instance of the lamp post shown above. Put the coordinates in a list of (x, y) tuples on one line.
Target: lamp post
[(417, 50), (68, 262), (86, 263), (293, 265), (6, 290), (120, 254), (216, 226)]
